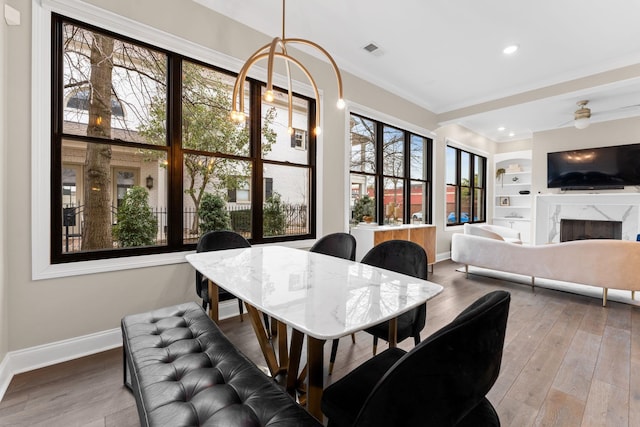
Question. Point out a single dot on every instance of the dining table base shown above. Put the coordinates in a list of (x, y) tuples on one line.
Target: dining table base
[(284, 365)]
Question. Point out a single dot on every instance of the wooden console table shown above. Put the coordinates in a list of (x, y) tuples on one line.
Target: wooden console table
[(367, 236)]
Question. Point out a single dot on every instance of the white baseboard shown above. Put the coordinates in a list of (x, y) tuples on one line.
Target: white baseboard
[(19, 361), (16, 362), (443, 256), (5, 376), (229, 308)]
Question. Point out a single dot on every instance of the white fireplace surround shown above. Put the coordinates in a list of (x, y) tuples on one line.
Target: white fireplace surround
[(551, 208)]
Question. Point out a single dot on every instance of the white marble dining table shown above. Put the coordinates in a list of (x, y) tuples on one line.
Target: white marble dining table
[(316, 295)]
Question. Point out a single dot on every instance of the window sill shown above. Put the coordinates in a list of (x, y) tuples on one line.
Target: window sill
[(52, 271)]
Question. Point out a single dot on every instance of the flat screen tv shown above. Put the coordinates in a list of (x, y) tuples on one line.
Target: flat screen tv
[(594, 168)]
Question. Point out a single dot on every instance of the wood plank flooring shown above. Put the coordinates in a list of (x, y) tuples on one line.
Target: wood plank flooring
[(567, 362)]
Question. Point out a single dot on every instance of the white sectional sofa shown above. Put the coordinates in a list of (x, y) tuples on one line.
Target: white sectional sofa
[(603, 263)]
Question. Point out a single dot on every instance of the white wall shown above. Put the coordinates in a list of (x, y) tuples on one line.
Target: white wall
[(4, 286), (473, 142), (615, 132)]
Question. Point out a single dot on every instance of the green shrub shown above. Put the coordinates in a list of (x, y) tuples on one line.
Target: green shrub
[(137, 226), (275, 220), (241, 220), (213, 214), (364, 206)]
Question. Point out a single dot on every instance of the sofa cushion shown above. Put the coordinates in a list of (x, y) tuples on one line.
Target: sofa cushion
[(481, 232), (495, 232)]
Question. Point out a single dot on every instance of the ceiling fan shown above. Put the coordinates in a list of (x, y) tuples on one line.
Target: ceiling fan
[(582, 116)]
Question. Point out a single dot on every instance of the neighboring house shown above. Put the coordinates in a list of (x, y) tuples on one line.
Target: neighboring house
[(134, 168)]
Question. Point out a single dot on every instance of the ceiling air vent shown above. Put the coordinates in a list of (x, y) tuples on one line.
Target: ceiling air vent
[(373, 49)]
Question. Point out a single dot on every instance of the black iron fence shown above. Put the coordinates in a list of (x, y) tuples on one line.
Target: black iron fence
[(294, 215)]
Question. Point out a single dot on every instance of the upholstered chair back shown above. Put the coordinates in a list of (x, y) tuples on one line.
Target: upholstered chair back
[(446, 376), (341, 245)]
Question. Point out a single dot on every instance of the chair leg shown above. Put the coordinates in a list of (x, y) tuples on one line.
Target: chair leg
[(334, 351), (125, 369), (273, 327), (416, 338), (353, 338), (375, 345), (240, 309)]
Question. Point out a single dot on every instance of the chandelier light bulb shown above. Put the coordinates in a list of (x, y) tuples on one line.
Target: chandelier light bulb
[(290, 130), (237, 116), (340, 104), (277, 49), (317, 130)]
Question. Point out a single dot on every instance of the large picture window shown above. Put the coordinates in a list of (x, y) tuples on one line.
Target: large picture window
[(466, 183), (144, 153), (390, 173)]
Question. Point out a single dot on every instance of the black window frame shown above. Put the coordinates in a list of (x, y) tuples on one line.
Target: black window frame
[(174, 151), (471, 188), (407, 179)]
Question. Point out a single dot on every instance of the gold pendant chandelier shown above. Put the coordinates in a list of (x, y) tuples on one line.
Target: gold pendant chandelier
[(278, 49)]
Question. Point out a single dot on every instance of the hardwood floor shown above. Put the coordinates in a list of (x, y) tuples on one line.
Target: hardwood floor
[(567, 362)]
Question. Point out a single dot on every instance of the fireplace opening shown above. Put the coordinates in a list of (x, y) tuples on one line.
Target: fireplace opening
[(580, 229)]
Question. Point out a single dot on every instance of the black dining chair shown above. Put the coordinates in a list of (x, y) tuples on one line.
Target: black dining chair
[(441, 382), (216, 241), (341, 245), (405, 257)]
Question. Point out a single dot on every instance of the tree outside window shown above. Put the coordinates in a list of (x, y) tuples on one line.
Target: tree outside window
[(127, 108), (390, 166), (466, 183)]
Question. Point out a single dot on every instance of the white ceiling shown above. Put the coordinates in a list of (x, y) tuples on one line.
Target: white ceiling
[(446, 55)]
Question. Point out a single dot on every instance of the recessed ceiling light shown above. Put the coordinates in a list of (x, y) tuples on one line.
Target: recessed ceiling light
[(501, 128), (512, 134), (510, 50)]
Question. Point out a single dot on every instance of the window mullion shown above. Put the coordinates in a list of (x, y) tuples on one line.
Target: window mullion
[(57, 71), (380, 172), (472, 187), (406, 179), (459, 186), (311, 161), (174, 141), (257, 201)]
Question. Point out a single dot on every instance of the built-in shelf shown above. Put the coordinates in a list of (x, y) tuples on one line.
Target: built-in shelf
[(507, 197), (510, 218)]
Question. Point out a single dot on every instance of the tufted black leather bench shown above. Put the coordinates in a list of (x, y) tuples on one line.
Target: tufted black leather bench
[(183, 371)]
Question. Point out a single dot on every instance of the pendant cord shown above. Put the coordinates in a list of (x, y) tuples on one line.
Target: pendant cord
[(283, 6)]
